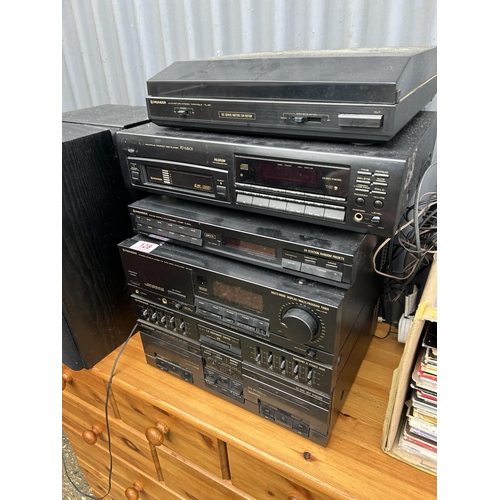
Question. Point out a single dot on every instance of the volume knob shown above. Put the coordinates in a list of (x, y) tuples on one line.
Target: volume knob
[(301, 325)]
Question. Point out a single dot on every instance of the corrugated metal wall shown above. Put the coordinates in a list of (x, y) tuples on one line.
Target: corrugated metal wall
[(111, 47)]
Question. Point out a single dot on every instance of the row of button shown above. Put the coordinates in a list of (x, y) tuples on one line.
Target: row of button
[(248, 323), (360, 202), (273, 203), (224, 384), (382, 175), (183, 238), (168, 366), (170, 226), (365, 183), (267, 189), (160, 232), (284, 418), (361, 190), (311, 269)]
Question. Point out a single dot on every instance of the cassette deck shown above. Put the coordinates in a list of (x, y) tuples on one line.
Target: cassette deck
[(281, 386)]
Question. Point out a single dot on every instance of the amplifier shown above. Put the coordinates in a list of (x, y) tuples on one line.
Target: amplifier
[(307, 370), (304, 317), (358, 188), (362, 94), (331, 256)]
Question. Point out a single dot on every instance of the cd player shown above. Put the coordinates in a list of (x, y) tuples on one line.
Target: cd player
[(359, 188)]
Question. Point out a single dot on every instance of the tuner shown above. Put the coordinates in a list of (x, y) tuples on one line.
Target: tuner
[(302, 325)]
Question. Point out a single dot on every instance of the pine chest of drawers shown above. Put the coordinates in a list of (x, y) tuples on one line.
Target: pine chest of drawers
[(171, 440)]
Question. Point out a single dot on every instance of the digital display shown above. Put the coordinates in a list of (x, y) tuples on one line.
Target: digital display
[(179, 179), (293, 175), (281, 174), (250, 247), (239, 296)]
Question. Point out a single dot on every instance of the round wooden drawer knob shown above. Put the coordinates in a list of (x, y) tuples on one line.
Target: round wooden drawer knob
[(90, 435), (156, 435), (66, 379), (295, 495), (133, 492)]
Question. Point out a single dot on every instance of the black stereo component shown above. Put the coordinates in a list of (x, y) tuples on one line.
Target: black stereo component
[(328, 255), (308, 370), (362, 94), (292, 313), (358, 188), (301, 408)]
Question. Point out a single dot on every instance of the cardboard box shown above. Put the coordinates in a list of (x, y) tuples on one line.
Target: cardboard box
[(396, 408)]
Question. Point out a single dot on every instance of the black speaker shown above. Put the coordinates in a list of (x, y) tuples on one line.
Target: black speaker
[(96, 309)]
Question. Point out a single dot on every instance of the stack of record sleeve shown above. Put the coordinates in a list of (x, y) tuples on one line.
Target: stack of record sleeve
[(419, 427)]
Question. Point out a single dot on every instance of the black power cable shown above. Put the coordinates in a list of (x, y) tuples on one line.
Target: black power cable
[(415, 242), (106, 406)]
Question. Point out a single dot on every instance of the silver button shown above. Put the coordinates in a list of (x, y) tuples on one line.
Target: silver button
[(244, 199), (295, 208), (334, 214)]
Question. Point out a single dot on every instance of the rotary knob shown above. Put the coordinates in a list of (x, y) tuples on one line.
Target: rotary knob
[(301, 325)]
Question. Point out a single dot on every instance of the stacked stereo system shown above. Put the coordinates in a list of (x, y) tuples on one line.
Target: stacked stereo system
[(270, 181)]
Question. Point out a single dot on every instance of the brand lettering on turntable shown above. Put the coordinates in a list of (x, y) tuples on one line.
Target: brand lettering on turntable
[(154, 101)]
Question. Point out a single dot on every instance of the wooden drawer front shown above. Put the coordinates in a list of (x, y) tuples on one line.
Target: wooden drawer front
[(85, 385), (263, 483), (124, 476), (200, 485), (186, 440), (125, 442)]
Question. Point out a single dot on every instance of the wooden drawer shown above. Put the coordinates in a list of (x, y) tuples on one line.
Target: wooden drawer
[(184, 439), (121, 482), (181, 479), (124, 476), (262, 482), (87, 386), (90, 428), (191, 481)]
